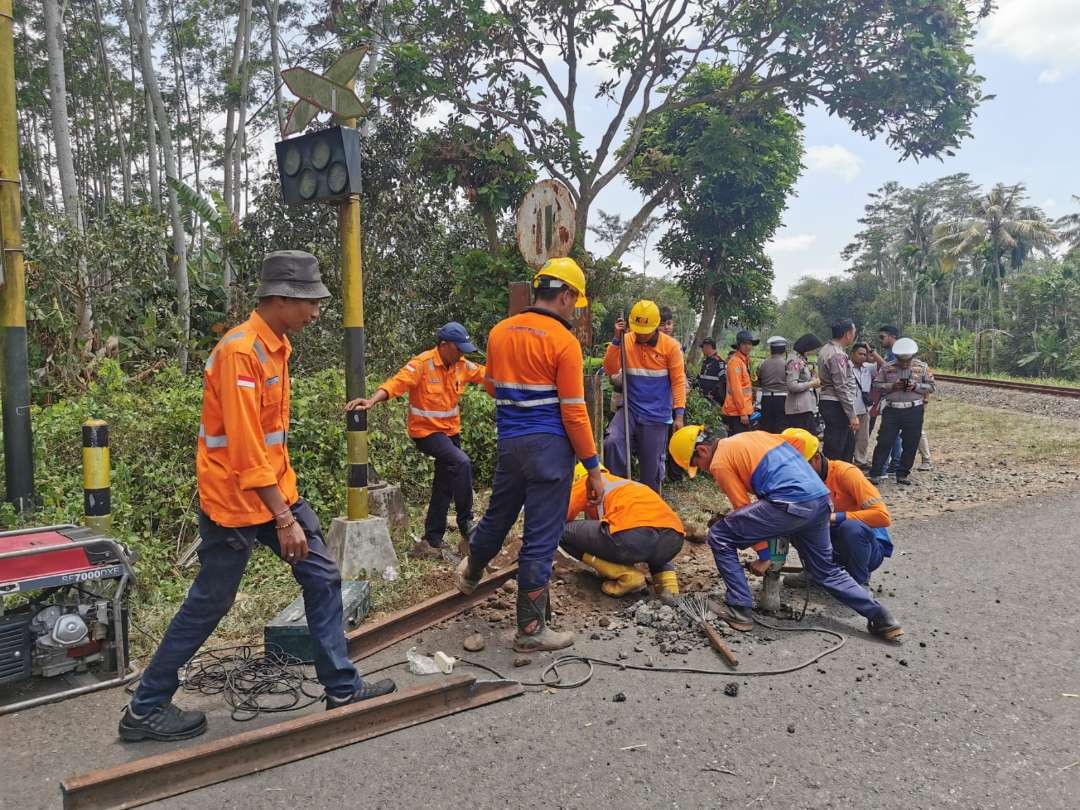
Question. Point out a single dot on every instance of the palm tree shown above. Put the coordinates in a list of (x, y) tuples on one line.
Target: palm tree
[(1069, 228), (1001, 229)]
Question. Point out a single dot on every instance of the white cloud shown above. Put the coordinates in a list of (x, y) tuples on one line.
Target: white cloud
[(1048, 204), (793, 243), (1042, 32), (835, 160)]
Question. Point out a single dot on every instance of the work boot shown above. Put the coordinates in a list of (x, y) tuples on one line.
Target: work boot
[(621, 579), (666, 585), (885, 626), (903, 480), (423, 550), (466, 577), (533, 634), (367, 691), (739, 618), (164, 723)]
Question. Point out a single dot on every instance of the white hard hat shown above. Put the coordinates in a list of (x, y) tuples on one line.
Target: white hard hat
[(905, 347), (777, 340)]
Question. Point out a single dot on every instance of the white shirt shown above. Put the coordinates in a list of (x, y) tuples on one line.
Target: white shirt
[(864, 378)]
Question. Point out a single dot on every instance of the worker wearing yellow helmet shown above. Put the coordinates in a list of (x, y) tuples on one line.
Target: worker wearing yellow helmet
[(630, 525), (535, 372), (654, 386), (791, 501), (858, 525)]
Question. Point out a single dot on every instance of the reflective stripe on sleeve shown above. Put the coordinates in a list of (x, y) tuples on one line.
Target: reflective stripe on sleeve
[(434, 414), (277, 437), (213, 441), (572, 401)]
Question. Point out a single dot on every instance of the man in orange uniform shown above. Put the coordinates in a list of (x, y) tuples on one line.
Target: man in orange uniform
[(655, 382), (535, 372), (435, 381), (248, 495), (858, 525), (630, 525), (791, 502), (739, 402)]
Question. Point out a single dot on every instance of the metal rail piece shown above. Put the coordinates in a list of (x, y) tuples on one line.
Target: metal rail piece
[(386, 632), (157, 777), (1012, 385)]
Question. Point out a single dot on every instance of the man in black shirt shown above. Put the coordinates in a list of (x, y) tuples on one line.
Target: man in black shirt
[(712, 381)]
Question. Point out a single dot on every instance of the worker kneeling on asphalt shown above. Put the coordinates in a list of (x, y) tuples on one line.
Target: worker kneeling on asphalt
[(791, 501), (535, 371), (248, 495), (435, 381), (858, 525), (630, 525)]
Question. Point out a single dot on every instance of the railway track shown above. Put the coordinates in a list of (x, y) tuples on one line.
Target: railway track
[(1010, 385)]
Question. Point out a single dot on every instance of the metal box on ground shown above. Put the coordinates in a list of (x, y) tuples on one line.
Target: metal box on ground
[(289, 630)]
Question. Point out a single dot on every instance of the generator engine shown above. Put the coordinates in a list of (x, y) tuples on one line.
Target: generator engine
[(70, 612)]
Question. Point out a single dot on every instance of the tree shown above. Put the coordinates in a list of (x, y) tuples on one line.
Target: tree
[(729, 178), (1069, 228), (896, 68)]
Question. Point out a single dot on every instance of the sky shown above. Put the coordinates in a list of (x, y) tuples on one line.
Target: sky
[(1029, 52)]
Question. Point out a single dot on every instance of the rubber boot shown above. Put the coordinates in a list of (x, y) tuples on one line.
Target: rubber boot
[(621, 579), (665, 583), (466, 577), (533, 634)]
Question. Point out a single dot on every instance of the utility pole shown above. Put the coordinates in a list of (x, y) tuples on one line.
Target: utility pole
[(352, 288), (15, 376)]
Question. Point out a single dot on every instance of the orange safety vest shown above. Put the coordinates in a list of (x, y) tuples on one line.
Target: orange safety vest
[(740, 393), (626, 505), (434, 390), (852, 493), (245, 421)]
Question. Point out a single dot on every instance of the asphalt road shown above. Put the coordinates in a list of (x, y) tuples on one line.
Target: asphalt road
[(972, 711)]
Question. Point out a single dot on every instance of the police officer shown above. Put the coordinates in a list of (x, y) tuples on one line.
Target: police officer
[(800, 405), (712, 381), (837, 395), (904, 384), (772, 380)]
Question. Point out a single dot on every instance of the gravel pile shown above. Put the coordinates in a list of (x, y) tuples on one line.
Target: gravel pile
[(1044, 404)]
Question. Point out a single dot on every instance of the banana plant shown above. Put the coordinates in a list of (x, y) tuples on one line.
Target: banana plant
[(214, 256)]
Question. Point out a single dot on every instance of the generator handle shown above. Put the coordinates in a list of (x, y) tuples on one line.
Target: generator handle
[(113, 545)]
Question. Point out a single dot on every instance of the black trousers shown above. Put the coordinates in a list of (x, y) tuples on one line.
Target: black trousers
[(657, 547), (773, 418), (453, 482), (734, 425), (839, 437), (906, 423), (807, 420)]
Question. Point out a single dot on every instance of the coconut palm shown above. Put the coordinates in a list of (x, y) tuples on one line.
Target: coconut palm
[(1069, 228)]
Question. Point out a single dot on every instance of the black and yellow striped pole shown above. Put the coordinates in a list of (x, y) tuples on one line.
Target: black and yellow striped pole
[(97, 492), (352, 283), (15, 376)]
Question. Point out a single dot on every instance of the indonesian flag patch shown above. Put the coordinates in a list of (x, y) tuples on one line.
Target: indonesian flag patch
[(245, 382)]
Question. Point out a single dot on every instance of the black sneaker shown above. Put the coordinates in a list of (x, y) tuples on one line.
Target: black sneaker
[(904, 481), (365, 692), (885, 626), (162, 723), (874, 479)]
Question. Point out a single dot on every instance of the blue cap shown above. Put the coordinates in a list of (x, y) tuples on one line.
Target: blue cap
[(456, 334)]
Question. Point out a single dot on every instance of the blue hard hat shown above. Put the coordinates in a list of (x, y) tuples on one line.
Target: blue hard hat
[(455, 333)]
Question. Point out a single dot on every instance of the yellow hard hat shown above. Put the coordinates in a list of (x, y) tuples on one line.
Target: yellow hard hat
[(682, 444), (568, 272), (644, 317), (802, 440)]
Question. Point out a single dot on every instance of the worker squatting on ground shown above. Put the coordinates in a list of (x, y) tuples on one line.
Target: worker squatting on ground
[(739, 402), (858, 525), (772, 379), (654, 382), (904, 384), (712, 379), (801, 404), (248, 495), (837, 395), (434, 381), (535, 373), (631, 524), (791, 502)]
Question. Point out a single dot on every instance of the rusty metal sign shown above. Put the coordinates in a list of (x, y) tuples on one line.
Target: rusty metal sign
[(340, 73), (546, 223)]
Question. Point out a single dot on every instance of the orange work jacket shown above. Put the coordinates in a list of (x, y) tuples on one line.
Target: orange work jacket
[(434, 390), (740, 393), (626, 505)]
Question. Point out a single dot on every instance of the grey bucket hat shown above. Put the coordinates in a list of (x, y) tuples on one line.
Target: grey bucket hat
[(291, 274)]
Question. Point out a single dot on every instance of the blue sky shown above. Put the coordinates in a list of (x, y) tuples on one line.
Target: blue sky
[(1029, 52)]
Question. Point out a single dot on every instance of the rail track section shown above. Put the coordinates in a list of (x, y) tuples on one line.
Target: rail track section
[(1011, 385)]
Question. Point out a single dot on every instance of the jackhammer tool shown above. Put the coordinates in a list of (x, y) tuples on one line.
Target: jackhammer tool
[(770, 591)]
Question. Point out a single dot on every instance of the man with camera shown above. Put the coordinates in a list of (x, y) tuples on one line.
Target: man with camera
[(904, 384)]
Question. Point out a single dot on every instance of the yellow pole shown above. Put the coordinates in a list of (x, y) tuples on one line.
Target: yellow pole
[(97, 492), (352, 286), (15, 375)]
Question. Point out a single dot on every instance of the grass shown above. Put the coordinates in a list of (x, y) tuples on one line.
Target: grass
[(994, 375)]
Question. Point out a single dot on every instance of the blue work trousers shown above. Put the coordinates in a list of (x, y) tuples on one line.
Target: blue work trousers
[(453, 482), (807, 524), (223, 555), (534, 472), (856, 549), (648, 441)]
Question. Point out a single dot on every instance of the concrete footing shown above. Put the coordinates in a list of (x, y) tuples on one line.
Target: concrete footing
[(362, 548), (386, 501)]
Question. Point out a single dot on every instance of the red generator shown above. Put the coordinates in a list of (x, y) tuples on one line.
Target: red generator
[(69, 613)]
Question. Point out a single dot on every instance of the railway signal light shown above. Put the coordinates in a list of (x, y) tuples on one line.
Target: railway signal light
[(320, 166)]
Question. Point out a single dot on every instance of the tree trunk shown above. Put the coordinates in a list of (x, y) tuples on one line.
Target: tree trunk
[(275, 60), (54, 39), (233, 104), (118, 127), (242, 106), (153, 178), (708, 312), (139, 26), (491, 227)]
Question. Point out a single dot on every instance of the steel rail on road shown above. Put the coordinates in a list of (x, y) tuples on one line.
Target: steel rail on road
[(398, 626), (1011, 385), (158, 777)]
